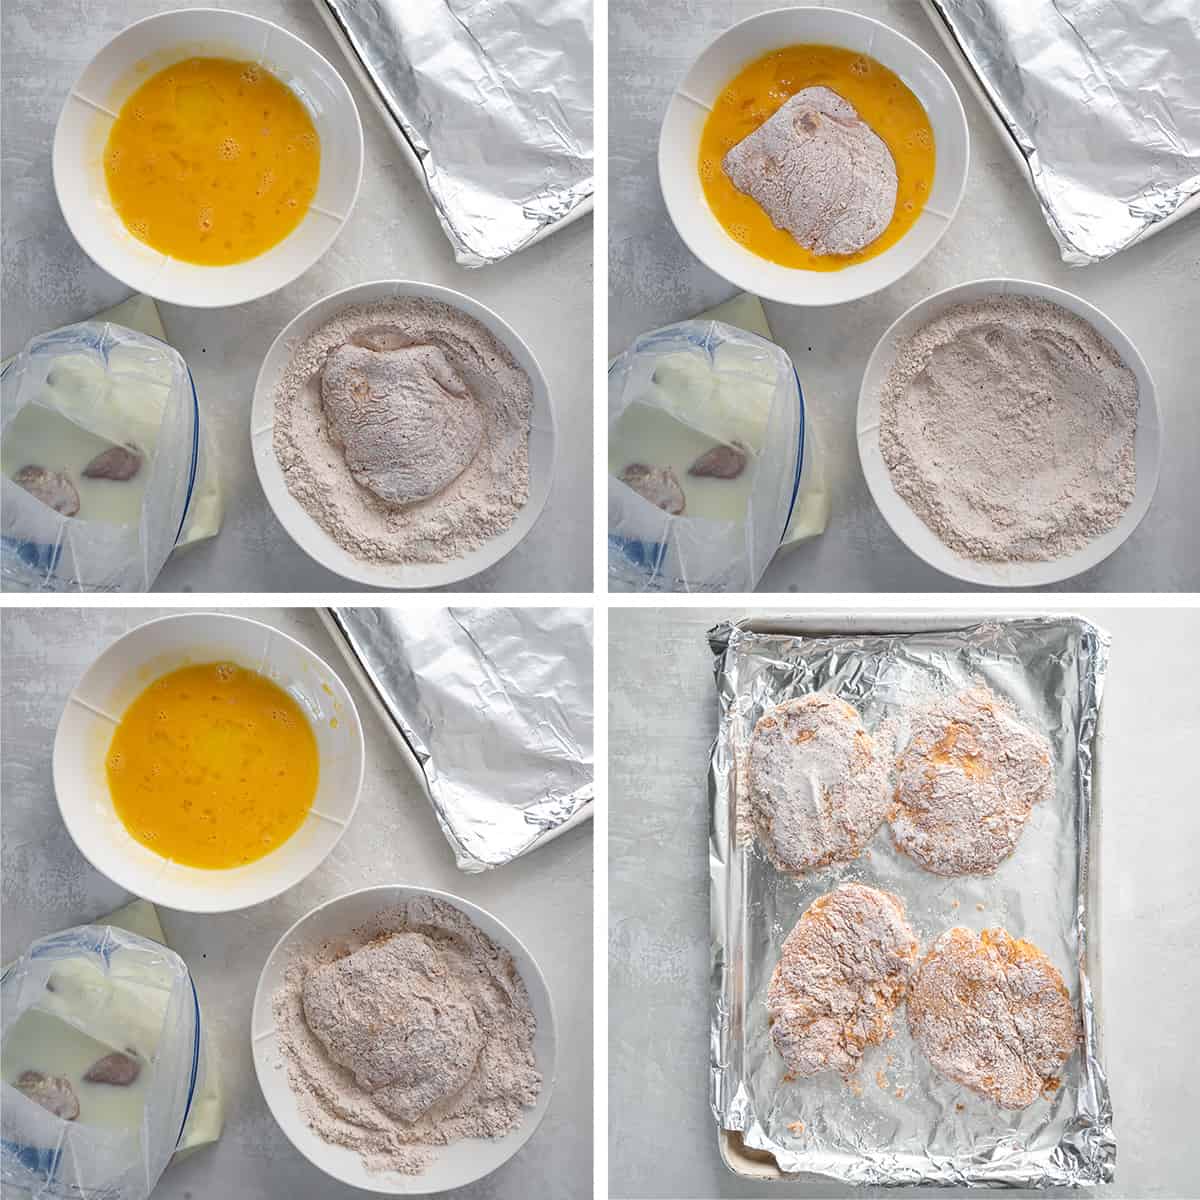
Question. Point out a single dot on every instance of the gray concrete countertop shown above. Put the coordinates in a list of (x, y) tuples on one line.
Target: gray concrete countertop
[(545, 898), (544, 292), (1152, 291), (663, 715)]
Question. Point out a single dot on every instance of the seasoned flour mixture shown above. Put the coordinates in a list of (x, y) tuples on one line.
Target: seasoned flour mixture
[(402, 428), (1008, 426), (412, 1033)]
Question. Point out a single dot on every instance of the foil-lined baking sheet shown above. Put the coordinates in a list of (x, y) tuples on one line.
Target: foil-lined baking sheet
[(495, 707), (1101, 102), (493, 104), (898, 1121)]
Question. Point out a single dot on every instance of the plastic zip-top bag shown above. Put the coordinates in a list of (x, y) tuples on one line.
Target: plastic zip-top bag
[(713, 416), (79, 390), (68, 1003)]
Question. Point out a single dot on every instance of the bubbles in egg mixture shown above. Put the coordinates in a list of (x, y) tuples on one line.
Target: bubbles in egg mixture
[(181, 170), (227, 777)]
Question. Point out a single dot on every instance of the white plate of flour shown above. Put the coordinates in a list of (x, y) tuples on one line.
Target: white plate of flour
[(904, 520), (309, 533), (336, 924)]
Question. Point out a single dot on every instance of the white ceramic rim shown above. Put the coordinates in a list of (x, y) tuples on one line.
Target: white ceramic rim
[(798, 287), (307, 533), (905, 523), (272, 1083), (99, 252), (136, 887)]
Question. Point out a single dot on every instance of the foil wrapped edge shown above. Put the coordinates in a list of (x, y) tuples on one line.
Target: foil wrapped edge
[(1075, 246), (1086, 1156), (553, 815), (555, 208)]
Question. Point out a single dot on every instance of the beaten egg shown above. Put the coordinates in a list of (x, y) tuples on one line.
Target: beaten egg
[(213, 766), (881, 99), (212, 161)]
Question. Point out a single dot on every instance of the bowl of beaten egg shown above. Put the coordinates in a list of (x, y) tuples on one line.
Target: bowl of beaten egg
[(859, 77), (208, 762), (207, 157)]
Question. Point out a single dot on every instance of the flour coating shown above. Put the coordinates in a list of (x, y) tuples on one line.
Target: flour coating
[(843, 970), (398, 1017), (410, 1033), (819, 172), (992, 1013), (406, 423), (967, 782), (818, 783), (481, 502)]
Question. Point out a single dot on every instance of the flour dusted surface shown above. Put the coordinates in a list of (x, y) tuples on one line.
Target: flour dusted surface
[(431, 1029), (967, 782), (818, 783), (405, 422), (479, 503), (1008, 424), (409, 1057), (843, 970), (992, 1012)]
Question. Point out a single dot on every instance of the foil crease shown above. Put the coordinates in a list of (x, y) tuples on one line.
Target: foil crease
[(495, 705), (935, 1132), (494, 101), (1101, 101)]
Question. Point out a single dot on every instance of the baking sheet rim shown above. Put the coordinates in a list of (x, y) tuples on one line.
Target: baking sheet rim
[(972, 80), (363, 679), (582, 209), (759, 1165)]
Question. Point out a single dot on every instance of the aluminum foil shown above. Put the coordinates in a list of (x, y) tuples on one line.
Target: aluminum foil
[(1101, 102), (495, 706), (493, 102), (898, 1121)]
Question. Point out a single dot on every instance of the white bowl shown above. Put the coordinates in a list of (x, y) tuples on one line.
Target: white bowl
[(119, 675), (905, 523), (455, 1165), (115, 73), (307, 533), (737, 47)]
